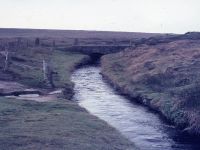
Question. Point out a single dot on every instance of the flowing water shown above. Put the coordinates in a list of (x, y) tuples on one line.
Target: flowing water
[(141, 126)]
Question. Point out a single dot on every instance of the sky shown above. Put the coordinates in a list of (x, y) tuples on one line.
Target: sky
[(155, 16)]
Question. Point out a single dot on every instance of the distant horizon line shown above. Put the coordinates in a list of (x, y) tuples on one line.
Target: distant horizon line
[(89, 30)]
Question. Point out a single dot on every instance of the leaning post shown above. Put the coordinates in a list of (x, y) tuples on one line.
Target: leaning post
[(6, 60)]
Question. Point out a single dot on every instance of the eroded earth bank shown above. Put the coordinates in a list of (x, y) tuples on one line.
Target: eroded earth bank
[(163, 76)]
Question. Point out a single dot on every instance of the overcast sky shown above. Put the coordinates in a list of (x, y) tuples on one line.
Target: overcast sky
[(172, 16)]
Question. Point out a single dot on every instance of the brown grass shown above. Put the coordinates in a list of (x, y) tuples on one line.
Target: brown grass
[(165, 76)]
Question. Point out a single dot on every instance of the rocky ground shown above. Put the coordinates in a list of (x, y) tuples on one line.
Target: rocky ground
[(164, 76)]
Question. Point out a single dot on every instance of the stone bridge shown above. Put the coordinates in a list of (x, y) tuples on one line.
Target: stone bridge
[(101, 50)]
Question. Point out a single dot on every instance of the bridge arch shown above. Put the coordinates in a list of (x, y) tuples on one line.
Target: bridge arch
[(95, 57)]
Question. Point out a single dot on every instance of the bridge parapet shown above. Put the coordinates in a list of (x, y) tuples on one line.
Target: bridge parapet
[(95, 49)]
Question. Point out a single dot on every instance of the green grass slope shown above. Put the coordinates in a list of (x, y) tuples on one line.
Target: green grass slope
[(58, 125), (26, 66)]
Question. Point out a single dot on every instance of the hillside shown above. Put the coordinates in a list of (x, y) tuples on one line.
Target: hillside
[(67, 38), (11, 32), (165, 77)]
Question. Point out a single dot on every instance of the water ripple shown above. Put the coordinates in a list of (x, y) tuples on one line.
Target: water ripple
[(135, 122)]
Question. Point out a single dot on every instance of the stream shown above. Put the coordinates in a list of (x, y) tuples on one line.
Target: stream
[(137, 123)]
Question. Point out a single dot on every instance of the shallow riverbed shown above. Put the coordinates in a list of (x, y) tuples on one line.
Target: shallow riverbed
[(134, 121)]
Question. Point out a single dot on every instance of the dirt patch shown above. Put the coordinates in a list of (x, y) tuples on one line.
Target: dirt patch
[(11, 86), (19, 91)]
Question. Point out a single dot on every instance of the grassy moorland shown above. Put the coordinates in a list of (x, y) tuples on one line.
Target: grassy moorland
[(65, 38), (26, 67), (62, 34), (165, 77), (58, 124)]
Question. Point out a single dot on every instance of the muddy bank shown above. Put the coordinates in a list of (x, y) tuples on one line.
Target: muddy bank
[(164, 77)]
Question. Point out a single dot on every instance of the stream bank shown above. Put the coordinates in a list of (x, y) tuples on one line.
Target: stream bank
[(140, 125), (164, 77)]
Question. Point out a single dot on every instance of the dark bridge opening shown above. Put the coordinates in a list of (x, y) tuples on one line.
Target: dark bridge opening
[(95, 57)]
